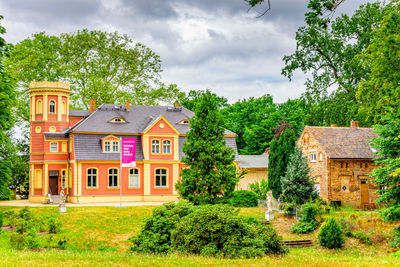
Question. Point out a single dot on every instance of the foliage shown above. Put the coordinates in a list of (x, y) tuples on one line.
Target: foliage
[(289, 209), (260, 188), (107, 66), (363, 237), (297, 184), (347, 226), (243, 198), (308, 222), (155, 236), (18, 241), (379, 92), (211, 175), (395, 242), (327, 50), (387, 175), (219, 231), (54, 225), (330, 234), (280, 150), (1, 219), (191, 99)]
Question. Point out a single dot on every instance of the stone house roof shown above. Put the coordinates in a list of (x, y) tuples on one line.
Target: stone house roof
[(344, 142)]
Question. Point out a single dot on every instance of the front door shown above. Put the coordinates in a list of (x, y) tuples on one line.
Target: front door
[(53, 184), (364, 193)]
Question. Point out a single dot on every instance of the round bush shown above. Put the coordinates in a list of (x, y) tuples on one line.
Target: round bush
[(220, 231), (330, 234), (244, 198), (155, 236)]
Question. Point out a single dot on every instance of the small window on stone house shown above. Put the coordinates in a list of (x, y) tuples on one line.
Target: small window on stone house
[(366, 165), (341, 165), (321, 157), (313, 156), (347, 165)]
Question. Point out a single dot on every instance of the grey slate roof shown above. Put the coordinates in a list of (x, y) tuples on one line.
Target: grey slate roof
[(253, 161), (59, 135), (78, 113), (88, 147), (344, 142), (138, 119)]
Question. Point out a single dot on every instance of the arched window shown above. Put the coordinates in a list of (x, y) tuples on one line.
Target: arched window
[(155, 146), (64, 108), (52, 106), (134, 178), (91, 178), (113, 178), (166, 147), (161, 178), (39, 106)]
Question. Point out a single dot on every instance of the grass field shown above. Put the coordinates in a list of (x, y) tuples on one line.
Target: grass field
[(98, 236)]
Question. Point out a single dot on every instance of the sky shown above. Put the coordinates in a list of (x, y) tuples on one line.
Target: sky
[(219, 45)]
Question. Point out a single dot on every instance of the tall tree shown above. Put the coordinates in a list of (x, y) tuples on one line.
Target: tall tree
[(109, 67), (7, 102), (329, 53), (297, 184), (379, 93), (211, 175), (191, 99), (279, 153)]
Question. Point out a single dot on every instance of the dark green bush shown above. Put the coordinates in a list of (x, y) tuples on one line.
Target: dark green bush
[(155, 236), (220, 231), (18, 241), (260, 188), (54, 225), (244, 198), (363, 237), (396, 238), (330, 234), (25, 214), (288, 208), (32, 239), (1, 219), (307, 223)]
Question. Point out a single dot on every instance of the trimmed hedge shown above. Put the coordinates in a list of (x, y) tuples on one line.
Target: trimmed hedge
[(244, 198)]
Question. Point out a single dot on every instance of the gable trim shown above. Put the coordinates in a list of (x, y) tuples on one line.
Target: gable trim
[(156, 121)]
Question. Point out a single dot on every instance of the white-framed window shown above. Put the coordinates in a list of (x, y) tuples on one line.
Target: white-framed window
[(313, 156), (166, 147), (63, 178), (161, 178), (92, 178), (115, 146), (111, 146), (52, 106), (317, 188), (134, 178), (155, 146), (113, 178), (53, 147), (107, 146)]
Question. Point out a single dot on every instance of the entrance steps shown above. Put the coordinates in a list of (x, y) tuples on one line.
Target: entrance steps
[(297, 243)]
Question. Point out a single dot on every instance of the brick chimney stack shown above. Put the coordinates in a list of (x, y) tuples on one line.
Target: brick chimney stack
[(128, 105), (92, 105), (176, 105), (354, 124), (333, 125)]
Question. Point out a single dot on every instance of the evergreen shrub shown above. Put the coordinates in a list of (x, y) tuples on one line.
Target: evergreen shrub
[(54, 225), (289, 209), (1, 219), (307, 223), (330, 234), (18, 241), (219, 231), (155, 236), (244, 198), (363, 237), (260, 188), (395, 243)]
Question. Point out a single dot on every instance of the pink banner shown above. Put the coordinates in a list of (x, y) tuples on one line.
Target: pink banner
[(128, 152)]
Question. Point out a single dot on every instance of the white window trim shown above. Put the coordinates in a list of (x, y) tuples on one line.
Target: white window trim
[(111, 145), (51, 149), (92, 175), (166, 178), (169, 147), (55, 107), (313, 155), (138, 178), (108, 176), (155, 145)]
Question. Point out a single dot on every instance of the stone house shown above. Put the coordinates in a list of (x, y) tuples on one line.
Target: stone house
[(257, 167), (340, 159)]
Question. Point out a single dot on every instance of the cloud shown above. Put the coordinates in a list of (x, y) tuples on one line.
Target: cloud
[(219, 45)]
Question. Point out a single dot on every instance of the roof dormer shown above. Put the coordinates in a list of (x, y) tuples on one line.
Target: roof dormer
[(118, 120), (185, 121)]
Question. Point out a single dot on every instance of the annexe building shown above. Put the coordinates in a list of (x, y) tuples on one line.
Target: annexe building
[(80, 150), (257, 167), (340, 159)]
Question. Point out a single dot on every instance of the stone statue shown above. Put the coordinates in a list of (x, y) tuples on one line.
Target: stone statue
[(62, 208), (269, 214)]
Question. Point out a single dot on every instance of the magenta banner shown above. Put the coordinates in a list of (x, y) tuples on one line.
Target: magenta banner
[(128, 152)]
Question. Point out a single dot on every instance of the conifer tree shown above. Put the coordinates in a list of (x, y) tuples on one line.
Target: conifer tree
[(211, 175), (297, 184), (280, 151)]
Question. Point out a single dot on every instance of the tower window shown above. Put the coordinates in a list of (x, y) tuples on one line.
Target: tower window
[(53, 147), (39, 107), (52, 106)]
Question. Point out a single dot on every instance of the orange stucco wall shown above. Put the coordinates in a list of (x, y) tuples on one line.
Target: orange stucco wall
[(166, 129), (161, 155), (160, 191)]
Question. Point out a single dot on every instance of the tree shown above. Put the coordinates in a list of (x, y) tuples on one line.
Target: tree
[(387, 175), (379, 93), (329, 54), (280, 151), (191, 99), (7, 102), (297, 184), (109, 67), (211, 175)]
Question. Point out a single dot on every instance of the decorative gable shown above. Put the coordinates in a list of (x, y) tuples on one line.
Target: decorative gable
[(161, 126)]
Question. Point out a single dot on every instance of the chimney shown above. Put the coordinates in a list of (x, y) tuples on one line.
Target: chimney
[(354, 124), (92, 105), (128, 105), (333, 125), (176, 105)]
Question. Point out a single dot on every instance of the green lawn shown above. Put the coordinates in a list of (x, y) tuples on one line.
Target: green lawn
[(98, 236)]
